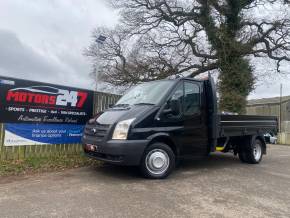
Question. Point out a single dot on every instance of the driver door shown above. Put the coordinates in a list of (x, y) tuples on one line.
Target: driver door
[(188, 127), (195, 138)]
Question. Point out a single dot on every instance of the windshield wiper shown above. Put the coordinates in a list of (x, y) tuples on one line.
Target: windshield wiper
[(121, 105), (144, 104)]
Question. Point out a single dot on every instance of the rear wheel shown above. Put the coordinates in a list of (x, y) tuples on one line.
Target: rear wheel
[(242, 156), (252, 153), (158, 161)]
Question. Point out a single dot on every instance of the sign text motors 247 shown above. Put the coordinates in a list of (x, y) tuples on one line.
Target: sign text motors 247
[(25, 101)]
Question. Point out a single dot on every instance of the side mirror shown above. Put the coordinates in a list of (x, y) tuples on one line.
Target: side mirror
[(174, 108)]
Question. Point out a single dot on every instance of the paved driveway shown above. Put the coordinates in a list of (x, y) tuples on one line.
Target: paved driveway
[(218, 187)]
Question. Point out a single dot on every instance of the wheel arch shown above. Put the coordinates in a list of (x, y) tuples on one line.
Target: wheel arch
[(262, 140), (240, 141), (164, 138)]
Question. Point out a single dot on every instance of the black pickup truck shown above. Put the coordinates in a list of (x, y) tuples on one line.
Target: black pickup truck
[(157, 123)]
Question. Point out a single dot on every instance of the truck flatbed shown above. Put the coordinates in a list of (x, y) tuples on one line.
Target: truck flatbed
[(241, 125)]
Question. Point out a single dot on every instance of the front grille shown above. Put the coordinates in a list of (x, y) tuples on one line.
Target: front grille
[(98, 131)]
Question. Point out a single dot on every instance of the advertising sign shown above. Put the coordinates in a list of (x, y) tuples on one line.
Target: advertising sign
[(38, 134), (23, 101)]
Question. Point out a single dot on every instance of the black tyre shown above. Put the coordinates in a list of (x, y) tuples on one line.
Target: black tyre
[(252, 153), (242, 157), (158, 161)]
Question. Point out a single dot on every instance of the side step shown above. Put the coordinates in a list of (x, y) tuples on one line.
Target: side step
[(222, 148)]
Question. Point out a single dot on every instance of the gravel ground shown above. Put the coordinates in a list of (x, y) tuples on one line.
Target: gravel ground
[(220, 186)]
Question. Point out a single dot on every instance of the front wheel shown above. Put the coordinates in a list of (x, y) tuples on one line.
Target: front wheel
[(158, 161)]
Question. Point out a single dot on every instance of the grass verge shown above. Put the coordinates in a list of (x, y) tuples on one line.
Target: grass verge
[(44, 164)]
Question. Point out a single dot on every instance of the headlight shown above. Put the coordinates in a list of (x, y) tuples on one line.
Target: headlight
[(122, 129)]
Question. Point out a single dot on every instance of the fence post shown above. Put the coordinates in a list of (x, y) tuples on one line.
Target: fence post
[(1, 141)]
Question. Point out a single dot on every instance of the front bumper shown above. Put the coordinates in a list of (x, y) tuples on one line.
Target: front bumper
[(121, 152)]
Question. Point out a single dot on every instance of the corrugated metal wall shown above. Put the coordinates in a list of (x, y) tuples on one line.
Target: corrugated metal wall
[(101, 102), (273, 109)]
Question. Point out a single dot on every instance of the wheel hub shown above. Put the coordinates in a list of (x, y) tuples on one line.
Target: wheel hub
[(257, 152), (157, 161)]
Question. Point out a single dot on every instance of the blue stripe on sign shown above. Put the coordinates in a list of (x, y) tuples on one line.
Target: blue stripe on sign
[(47, 133)]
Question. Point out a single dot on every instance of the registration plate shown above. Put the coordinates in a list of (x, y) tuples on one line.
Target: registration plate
[(90, 147)]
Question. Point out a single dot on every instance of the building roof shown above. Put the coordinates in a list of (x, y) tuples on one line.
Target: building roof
[(275, 100)]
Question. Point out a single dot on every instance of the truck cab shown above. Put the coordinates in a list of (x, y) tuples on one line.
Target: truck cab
[(159, 122)]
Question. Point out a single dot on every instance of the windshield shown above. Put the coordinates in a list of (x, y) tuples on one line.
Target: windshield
[(147, 93)]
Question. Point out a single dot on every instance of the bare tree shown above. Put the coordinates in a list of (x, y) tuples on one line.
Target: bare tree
[(166, 37), (126, 59)]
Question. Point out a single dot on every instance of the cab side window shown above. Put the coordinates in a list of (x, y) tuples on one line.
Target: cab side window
[(191, 98), (175, 102)]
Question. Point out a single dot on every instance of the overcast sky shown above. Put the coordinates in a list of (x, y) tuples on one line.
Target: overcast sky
[(44, 41)]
